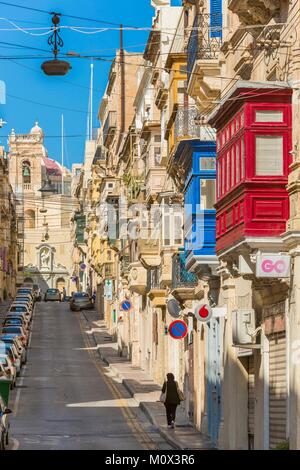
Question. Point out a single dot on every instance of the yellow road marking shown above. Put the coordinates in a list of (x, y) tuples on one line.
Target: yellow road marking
[(142, 437)]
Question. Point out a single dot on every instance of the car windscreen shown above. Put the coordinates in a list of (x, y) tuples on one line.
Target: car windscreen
[(12, 330), (80, 295), (18, 308), (13, 321), (5, 347), (52, 291)]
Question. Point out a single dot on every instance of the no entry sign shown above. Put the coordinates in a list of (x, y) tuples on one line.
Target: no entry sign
[(178, 329), (126, 305)]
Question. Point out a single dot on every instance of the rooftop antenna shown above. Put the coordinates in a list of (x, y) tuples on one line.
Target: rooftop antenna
[(62, 154), (91, 100)]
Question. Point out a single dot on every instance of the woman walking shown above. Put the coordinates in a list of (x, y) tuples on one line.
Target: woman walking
[(171, 397)]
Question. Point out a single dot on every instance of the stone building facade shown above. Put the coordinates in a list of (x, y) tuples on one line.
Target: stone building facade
[(44, 217)]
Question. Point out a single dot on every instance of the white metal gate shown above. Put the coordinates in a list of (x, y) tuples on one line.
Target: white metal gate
[(277, 390), (251, 401)]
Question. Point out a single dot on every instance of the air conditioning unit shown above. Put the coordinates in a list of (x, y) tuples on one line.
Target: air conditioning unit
[(243, 327)]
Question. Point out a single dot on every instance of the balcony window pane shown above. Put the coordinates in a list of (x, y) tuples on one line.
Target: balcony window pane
[(207, 194), (219, 179), (237, 162), (227, 171), (269, 155), (166, 229), (242, 158), (232, 166), (223, 174), (269, 116), (178, 232), (208, 163)]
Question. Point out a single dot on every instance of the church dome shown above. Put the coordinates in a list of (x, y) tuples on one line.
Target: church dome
[(36, 129)]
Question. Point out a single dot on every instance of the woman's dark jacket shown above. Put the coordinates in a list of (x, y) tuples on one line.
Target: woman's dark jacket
[(172, 397)]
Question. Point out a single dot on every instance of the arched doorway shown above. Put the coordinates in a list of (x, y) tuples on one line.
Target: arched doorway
[(60, 284)]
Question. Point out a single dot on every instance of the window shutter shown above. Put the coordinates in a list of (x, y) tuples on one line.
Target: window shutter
[(216, 18), (208, 194), (269, 116), (269, 155)]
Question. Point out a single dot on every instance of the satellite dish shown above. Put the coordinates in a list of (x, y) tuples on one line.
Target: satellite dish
[(173, 307)]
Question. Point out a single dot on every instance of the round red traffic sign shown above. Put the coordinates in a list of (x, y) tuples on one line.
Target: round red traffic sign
[(178, 329), (203, 312), (126, 305)]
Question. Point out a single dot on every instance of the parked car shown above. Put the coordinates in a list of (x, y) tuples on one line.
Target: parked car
[(52, 294), (16, 331), (19, 308), (18, 349), (24, 298), (4, 424), (9, 349), (26, 292), (81, 301), (16, 321), (20, 316), (3, 373), (27, 313), (10, 369)]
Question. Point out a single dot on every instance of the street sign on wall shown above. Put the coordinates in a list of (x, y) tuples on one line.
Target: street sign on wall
[(125, 305), (178, 329), (273, 266), (203, 312), (108, 294)]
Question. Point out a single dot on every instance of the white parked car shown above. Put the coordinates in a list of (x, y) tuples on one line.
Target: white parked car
[(9, 368)]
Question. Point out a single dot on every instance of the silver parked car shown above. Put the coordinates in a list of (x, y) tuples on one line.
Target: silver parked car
[(81, 301)]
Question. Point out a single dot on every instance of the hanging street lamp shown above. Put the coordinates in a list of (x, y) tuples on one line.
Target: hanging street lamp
[(55, 66), (49, 189)]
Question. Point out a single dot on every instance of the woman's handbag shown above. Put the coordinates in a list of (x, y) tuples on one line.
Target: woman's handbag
[(180, 393), (163, 396)]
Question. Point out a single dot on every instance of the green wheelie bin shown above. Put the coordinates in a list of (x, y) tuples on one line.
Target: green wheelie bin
[(5, 389)]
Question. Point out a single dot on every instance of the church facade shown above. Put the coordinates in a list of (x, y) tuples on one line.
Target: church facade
[(44, 206)]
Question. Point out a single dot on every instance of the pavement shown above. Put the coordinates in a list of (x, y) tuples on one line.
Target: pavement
[(144, 390), (67, 398)]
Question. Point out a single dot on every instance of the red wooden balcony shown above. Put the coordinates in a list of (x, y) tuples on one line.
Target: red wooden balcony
[(254, 141)]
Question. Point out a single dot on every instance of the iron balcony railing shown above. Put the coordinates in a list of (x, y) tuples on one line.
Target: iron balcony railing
[(181, 277), (187, 122), (109, 126), (205, 39)]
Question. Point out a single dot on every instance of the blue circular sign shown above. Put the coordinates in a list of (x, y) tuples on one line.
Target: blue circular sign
[(126, 305), (178, 329)]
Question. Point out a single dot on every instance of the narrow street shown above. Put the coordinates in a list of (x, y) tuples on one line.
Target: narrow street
[(65, 398)]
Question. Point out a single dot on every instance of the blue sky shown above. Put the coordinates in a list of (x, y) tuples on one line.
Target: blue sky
[(24, 78)]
